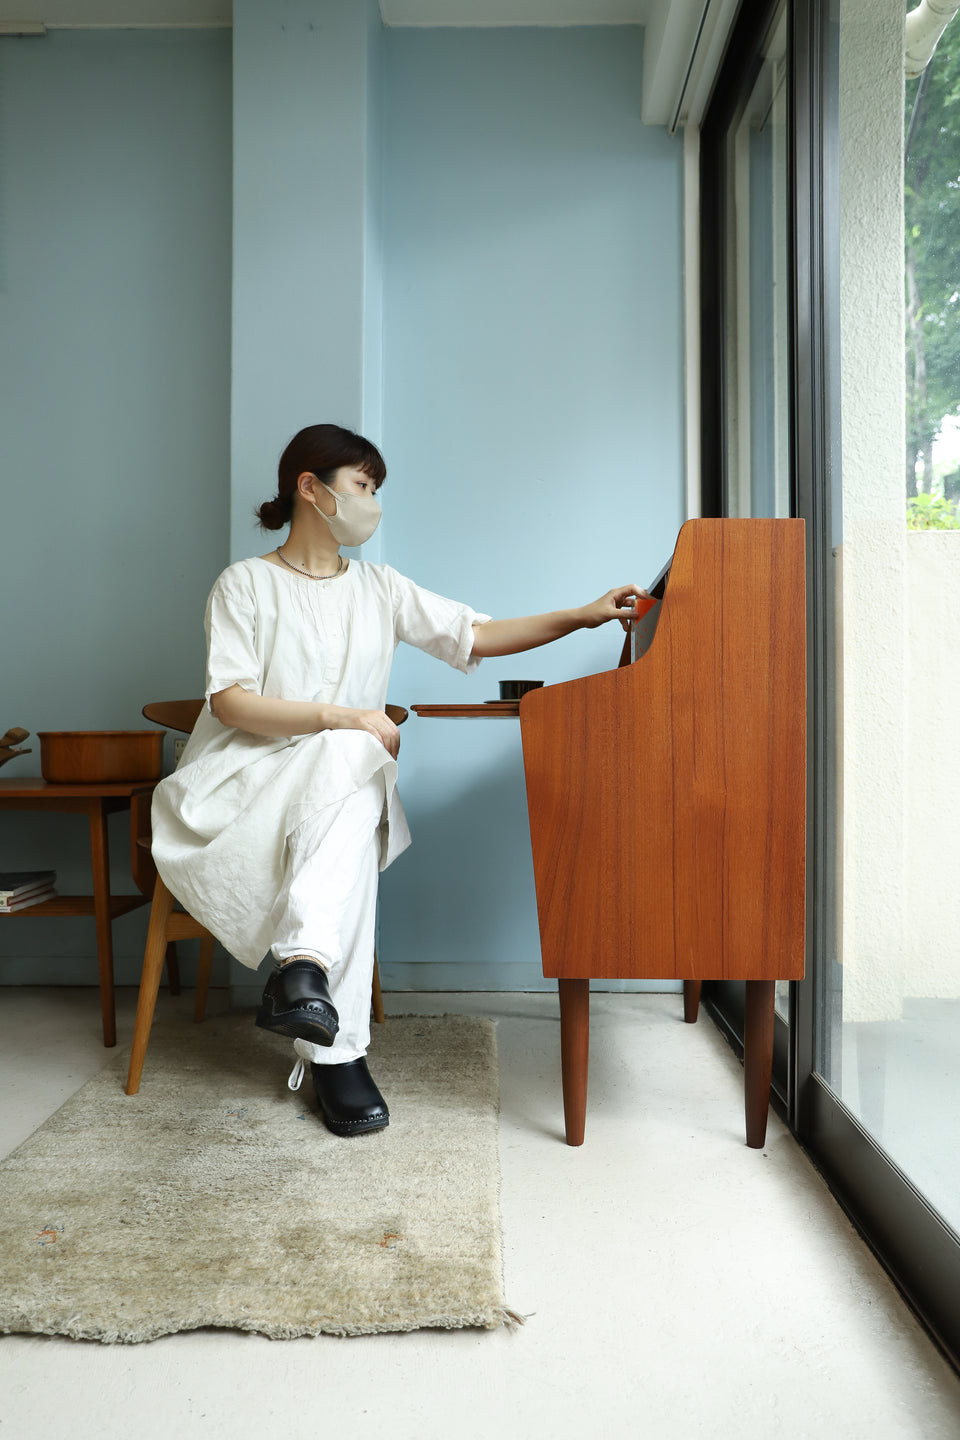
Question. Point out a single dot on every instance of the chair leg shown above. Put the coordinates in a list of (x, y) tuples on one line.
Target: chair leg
[(173, 969), (377, 995), (203, 978), (149, 981)]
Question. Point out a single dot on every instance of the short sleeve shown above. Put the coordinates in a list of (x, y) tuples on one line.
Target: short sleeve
[(443, 628), (231, 627)]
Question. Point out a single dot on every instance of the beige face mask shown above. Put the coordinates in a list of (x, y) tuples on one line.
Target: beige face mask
[(356, 519)]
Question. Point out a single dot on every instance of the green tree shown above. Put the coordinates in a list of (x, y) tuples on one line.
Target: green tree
[(932, 245), (931, 512)]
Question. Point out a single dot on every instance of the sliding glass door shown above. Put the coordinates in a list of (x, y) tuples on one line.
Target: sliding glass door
[(829, 395), (884, 1074)]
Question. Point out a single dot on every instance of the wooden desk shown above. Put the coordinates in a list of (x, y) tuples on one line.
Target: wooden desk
[(96, 802), (667, 797)]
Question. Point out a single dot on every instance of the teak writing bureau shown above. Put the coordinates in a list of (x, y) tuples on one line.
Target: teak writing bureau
[(667, 797)]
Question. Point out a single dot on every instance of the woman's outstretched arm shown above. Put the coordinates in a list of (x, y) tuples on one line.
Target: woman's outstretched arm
[(510, 637)]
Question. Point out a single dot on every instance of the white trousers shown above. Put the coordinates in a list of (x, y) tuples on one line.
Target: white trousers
[(327, 909)]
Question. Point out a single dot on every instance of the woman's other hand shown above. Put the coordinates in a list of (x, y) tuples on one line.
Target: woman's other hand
[(618, 604), (264, 715), (375, 722)]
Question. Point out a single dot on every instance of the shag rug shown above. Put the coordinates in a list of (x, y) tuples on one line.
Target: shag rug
[(216, 1197)]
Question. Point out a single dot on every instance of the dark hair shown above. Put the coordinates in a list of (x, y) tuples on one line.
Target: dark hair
[(320, 450)]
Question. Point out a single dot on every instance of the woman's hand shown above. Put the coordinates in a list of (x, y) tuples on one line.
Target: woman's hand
[(375, 722), (618, 604), (263, 715)]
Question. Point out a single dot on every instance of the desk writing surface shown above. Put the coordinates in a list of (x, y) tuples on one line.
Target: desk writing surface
[(494, 710)]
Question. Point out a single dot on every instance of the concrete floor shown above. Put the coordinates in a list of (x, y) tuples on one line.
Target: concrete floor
[(677, 1284)]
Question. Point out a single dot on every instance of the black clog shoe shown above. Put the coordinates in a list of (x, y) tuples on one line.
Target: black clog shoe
[(349, 1100), (296, 1002)]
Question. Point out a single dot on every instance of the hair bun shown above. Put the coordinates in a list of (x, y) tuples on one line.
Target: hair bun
[(274, 514)]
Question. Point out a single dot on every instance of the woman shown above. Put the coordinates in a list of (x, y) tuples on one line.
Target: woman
[(273, 827)]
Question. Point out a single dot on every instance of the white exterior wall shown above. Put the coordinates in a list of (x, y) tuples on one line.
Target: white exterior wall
[(933, 771), (874, 525), (900, 912)]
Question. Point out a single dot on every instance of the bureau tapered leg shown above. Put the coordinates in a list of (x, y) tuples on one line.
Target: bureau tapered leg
[(691, 1000), (758, 1058), (574, 1055)]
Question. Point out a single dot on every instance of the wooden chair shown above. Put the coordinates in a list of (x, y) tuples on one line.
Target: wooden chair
[(167, 924)]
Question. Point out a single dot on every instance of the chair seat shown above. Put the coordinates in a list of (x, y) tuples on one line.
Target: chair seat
[(181, 926)]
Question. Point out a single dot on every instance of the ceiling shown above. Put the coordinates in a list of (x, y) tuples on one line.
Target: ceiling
[(394, 12), (683, 44), (515, 12)]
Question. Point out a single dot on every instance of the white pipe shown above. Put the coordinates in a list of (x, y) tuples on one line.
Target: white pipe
[(924, 26)]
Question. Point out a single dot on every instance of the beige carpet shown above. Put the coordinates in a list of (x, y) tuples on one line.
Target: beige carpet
[(216, 1197)]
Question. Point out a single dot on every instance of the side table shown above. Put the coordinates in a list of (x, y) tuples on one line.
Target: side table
[(96, 802)]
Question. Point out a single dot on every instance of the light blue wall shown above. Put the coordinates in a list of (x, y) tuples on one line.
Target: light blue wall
[(303, 263), (532, 425), (765, 318), (372, 422), (114, 414), (463, 242)]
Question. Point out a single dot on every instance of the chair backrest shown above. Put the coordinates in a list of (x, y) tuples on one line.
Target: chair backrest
[(174, 714), (182, 714)]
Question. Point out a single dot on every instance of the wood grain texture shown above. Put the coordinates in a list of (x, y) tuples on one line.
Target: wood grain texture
[(141, 860), (97, 802), (175, 714), (100, 859), (158, 933), (667, 797), (509, 710), (89, 757), (63, 905), (574, 1055), (758, 1027), (16, 792)]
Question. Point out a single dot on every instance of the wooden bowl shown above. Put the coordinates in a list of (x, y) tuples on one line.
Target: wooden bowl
[(93, 757)]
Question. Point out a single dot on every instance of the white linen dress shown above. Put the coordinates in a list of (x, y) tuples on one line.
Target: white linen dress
[(221, 820)]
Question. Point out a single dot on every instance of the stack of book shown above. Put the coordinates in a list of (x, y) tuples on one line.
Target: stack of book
[(21, 888)]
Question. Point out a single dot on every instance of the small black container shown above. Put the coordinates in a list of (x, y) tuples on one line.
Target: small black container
[(513, 689)]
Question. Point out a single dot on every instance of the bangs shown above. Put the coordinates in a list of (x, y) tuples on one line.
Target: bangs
[(371, 462)]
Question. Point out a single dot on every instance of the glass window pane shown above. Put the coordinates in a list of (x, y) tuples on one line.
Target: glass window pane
[(757, 315), (889, 1003)]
